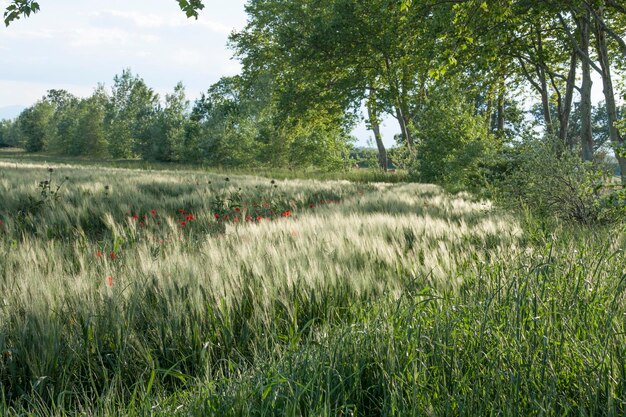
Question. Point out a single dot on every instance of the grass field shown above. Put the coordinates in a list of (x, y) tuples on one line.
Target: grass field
[(180, 292)]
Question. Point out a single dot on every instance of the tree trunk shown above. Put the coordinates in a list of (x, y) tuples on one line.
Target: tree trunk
[(500, 117), (616, 138), (545, 98), (382, 152), (566, 107), (403, 122), (586, 135)]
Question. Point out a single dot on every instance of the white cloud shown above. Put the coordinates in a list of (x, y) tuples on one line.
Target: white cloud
[(91, 36), (25, 93), (24, 34), (156, 21)]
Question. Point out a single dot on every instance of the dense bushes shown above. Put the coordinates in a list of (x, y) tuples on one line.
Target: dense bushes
[(452, 140), (559, 184)]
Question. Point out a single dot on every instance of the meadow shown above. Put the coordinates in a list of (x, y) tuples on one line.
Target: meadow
[(132, 292)]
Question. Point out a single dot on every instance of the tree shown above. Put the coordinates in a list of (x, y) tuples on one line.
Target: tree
[(451, 139), (332, 55), (34, 125), (64, 121), (130, 112), (89, 137), (168, 129), (5, 127)]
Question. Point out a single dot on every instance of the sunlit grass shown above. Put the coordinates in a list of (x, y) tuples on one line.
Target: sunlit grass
[(367, 299)]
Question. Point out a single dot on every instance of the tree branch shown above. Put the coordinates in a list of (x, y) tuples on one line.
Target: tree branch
[(604, 27), (576, 46)]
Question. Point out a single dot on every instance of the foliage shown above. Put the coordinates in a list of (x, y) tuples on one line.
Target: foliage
[(19, 8), (559, 185), (24, 8), (130, 113), (236, 123), (451, 141), (34, 126)]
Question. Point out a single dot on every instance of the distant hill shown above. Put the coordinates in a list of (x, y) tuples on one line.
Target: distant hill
[(10, 112)]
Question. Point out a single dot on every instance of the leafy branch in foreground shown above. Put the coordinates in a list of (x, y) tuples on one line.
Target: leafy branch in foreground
[(24, 8), (19, 8)]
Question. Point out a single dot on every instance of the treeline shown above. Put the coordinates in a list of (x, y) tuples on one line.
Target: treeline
[(457, 77), (233, 124)]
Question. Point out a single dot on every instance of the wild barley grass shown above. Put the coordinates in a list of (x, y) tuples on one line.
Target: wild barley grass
[(398, 300)]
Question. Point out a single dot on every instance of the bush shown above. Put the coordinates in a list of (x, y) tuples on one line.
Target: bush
[(561, 186), (451, 141)]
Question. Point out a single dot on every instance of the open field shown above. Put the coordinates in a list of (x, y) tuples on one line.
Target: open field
[(144, 292)]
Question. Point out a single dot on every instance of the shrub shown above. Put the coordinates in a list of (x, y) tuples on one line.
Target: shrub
[(451, 141), (560, 185)]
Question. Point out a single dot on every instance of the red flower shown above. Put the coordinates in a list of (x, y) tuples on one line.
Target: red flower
[(248, 218), (190, 217), (112, 255), (311, 205), (183, 224), (259, 218), (135, 216), (99, 254), (237, 209), (159, 223), (217, 216), (236, 220), (153, 212), (110, 281), (286, 213), (181, 211), (226, 218)]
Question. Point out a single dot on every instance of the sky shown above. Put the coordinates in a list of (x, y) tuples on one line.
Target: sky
[(76, 44)]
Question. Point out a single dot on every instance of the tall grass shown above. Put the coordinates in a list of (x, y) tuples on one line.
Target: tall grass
[(380, 299)]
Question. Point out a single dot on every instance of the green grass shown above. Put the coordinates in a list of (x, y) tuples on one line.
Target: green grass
[(365, 300), (16, 155)]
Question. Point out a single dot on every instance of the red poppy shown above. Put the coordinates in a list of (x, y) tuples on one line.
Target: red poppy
[(286, 213), (226, 217), (181, 211), (99, 254), (112, 255), (311, 205), (110, 281), (183, 224), (153, 212), (217, 216), (236, 220), (237, 209), (190, 217), (135, 216), (259, 218), (248, 218)]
